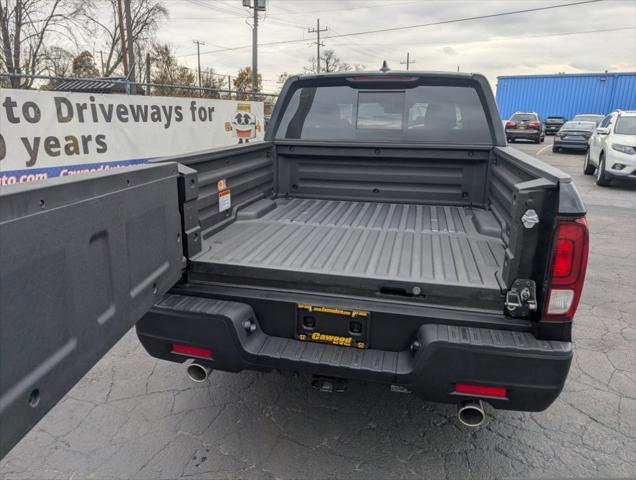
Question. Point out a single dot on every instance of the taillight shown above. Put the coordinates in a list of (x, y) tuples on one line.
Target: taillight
[(569, 263), (191, 351), (511, 124), (480, 390), (535, 124), (560, 134)]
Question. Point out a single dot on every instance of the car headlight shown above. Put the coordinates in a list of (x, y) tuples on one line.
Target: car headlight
[(623, 149)]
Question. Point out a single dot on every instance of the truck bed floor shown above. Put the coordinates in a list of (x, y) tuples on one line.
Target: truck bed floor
[(388, 244)]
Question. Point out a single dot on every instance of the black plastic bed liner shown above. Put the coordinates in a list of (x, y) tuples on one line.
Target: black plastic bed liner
[(382, 247)]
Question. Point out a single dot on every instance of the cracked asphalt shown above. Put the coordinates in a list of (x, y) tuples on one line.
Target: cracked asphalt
[(136, 417)]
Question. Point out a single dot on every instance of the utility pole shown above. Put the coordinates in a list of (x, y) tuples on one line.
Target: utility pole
[(148, 76), (101, 56), (258, 6), (408, 61), (198, 44), (229, 86), (129, 39), (120, 14), (317, 31), (255, 53)]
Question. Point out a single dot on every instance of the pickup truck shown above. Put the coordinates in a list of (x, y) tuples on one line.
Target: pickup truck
[(382, 232)]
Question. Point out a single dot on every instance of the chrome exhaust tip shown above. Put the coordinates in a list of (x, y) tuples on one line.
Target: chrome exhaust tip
[(197, 373), (470, 413)]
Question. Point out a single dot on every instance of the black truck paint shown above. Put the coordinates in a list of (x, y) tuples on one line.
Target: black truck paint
[(404, 250)]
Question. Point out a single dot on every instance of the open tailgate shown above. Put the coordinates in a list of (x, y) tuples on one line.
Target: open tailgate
[(81, 260)]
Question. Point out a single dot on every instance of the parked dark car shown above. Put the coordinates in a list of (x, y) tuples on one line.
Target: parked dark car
[(551, 125), (588, 117), (525, 126), (573, 136)]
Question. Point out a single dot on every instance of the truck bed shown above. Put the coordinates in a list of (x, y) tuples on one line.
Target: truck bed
[(384, 247)]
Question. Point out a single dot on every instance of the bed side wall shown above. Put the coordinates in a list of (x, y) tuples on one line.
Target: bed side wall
[(247, 171)]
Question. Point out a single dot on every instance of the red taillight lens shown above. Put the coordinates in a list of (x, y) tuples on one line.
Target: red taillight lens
[(480, 390), (535, 124), (191, 351), (511, 124), (569, 263), (563, 257)]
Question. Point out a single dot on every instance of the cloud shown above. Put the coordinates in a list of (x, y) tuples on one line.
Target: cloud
[(529, 43), (449, 51)]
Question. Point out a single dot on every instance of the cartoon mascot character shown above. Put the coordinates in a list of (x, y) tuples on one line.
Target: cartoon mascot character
[(244, 124)]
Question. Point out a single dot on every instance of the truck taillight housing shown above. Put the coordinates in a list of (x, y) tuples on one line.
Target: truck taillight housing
[(569, 263), (535, 124)]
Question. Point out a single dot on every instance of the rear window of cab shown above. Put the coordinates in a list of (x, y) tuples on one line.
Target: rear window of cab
[(421, 114), (524, 117)]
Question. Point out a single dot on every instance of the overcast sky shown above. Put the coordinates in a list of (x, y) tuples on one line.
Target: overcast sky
[(527, 43)]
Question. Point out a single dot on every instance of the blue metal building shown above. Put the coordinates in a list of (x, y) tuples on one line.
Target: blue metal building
[(566, 94)]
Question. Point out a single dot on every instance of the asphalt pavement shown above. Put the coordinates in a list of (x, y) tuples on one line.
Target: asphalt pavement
[(136, 417)]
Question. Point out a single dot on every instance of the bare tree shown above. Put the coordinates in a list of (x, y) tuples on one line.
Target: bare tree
[(330, 62), (351, 67), (58, 62), (282, 78), (168, 71), (27, 27), (211, 79), (146, 18)]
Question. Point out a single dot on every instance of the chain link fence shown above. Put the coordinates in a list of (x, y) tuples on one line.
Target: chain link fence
[(124, 85)]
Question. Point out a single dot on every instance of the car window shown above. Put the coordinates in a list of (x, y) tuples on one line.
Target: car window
[(625, 126), (425, 113), (380, 110), (523, 117), (588, 118), (606, 121), (588, 126)]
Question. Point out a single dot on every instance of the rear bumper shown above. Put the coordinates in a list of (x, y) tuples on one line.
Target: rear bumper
[(583, 145), (533, 371), (514, 134)]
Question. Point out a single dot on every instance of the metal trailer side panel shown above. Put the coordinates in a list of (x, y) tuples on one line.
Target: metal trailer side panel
[(566, 95)]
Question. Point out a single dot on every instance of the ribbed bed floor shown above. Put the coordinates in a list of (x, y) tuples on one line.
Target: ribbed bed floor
[(409, 244)]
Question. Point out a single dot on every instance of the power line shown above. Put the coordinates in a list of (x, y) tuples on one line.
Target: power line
[(465, 19), (388, 4), (422, 25), (361, 49)]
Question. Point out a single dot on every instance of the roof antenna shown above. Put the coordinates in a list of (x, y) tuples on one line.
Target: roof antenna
[(385, 67)]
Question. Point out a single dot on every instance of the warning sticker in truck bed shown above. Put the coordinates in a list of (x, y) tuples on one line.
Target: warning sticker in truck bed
[(225, 200)]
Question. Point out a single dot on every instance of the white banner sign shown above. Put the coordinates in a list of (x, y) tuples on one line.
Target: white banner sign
[(49, 134)]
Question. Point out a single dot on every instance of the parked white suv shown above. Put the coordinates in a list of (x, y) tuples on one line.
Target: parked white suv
[(612, 152)]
